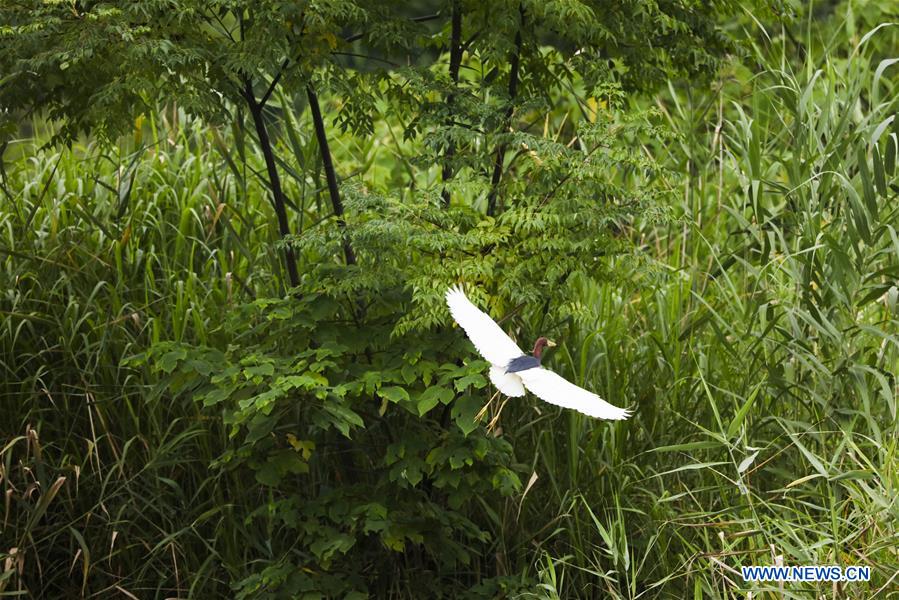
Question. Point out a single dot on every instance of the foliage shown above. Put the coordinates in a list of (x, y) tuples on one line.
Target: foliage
[(296, 379), (353, 355), (331, 424), (766, 356), (85, 283), (95, 66)]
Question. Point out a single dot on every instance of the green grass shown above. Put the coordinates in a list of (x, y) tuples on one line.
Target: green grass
[(104, 255), (755, 334), (761, 355)]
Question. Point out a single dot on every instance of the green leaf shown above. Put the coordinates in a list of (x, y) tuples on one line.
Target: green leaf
[(812, 459), (304, 447), (371, 380), (260, 426), (867, 185), (475, 379), (259, 371), (394, 394), (326, 547), (342, 417), (464, 411), (889, 159), (734, 428), (279, 465), (217, 395), (691, 467), (688, 446), (306, 382), (879, 177), (202, 367), (170, 359), (85, 556), (857, 474), (409, 373), (432, 396)]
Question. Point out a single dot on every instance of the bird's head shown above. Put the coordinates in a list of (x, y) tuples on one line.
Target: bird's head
[(540, 344)]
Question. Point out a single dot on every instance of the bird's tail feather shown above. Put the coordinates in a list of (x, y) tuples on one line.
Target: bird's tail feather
[(508, 383)]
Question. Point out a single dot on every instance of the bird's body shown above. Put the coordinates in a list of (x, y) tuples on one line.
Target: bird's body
[(512, 371), (522, 363)]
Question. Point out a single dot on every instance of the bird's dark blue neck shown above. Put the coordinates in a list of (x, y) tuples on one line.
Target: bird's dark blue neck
[(522, 363)]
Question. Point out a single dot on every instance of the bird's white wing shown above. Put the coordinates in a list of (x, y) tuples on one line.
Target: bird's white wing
[(555, 389), (489, 339)]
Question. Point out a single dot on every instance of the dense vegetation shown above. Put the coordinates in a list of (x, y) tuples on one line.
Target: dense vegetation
[(228, 371)]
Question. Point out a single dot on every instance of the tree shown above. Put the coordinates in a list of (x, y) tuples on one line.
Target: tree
[(94, 66), (351, 403)]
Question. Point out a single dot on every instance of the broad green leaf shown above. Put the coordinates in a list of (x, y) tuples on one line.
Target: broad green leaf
[(257, 372), (343, 417), (279, 465), (432, 396), (475, 379), (170, 359), (217, 395), (308, 381), (464, 411), (394, 393)]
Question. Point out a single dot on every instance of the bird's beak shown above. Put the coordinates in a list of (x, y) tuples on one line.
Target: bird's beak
[(550, 343)]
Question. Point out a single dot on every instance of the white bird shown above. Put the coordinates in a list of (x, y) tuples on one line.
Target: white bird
[(513, 371)]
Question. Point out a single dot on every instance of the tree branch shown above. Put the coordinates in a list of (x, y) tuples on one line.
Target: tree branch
[(327, 163), (515, 63), (455, 63), (271, 166), (284, 63), (274, 83), (349, 40), (422, 19)]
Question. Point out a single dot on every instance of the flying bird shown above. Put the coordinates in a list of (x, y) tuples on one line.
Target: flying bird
[(512, 371)]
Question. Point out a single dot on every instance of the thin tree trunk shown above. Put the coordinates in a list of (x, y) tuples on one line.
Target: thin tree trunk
[(515, 61), (275, 182), (454, 66), (330, 175)]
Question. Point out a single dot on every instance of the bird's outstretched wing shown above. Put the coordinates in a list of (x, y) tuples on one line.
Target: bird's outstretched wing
[(555, 389), (489, 339)]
